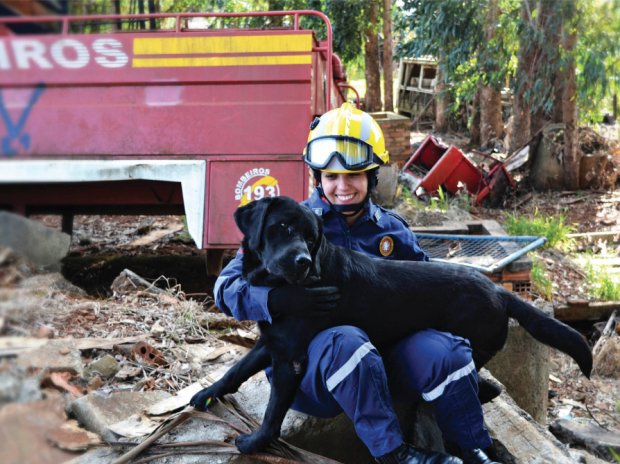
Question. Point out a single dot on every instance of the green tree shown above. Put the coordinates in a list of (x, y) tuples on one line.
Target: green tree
[(471, 42)]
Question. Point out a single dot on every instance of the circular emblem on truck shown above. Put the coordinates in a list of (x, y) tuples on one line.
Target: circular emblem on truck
[(386, 246), (255, 184)]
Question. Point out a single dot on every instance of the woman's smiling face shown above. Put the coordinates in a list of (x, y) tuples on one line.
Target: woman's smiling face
[(345, 188)]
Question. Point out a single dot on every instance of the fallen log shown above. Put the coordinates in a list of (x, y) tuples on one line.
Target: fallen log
[(583, 310)]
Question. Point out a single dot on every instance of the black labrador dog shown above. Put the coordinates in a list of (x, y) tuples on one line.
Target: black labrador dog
[(284, 244)]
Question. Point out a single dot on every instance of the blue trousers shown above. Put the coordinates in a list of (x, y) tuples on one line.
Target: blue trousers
[(346, 373)]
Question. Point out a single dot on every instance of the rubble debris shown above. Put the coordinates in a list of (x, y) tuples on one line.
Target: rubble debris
[(129, 282), (98, 410), (36, 242), (154, 235), (434, 165), (54, 355), (24, 429), (240, 337), (606, 351), (586, 434), (145, 353), (106, 366), (71, 437), (60, 381), (596, 171)]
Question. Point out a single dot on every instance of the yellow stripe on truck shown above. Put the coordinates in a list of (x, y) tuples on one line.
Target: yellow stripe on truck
[(221, 61), (222, 44)]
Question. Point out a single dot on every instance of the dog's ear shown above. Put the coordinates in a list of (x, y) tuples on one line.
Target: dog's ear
[(250, 219)]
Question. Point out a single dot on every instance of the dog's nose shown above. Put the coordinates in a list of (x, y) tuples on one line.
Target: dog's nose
[(302, 262)]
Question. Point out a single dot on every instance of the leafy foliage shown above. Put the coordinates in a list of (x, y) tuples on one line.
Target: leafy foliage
[(602, 285), (553, 228), (453, 32), (598, 56)]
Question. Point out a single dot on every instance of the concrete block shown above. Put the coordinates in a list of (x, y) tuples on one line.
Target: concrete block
[(523, 366), (55, 355), (33, 240), (97, 410)]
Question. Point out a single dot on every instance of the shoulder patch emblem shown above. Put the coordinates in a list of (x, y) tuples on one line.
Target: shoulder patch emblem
[(386, 246)]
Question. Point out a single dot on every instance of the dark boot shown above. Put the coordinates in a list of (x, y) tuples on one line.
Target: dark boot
[(476, 456), (407, 454)]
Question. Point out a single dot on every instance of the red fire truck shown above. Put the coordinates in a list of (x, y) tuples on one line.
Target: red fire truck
[(184, 119)]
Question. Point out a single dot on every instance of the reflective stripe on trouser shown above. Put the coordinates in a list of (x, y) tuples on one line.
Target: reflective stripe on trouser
[(345, 373), (439, 367)]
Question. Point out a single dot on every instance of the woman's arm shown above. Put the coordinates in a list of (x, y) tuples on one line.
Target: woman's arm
[(237, 298)]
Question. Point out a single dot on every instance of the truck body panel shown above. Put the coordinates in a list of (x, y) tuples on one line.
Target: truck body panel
[(174, 121)]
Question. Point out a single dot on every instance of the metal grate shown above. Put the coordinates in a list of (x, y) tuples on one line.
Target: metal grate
[(487, 253)]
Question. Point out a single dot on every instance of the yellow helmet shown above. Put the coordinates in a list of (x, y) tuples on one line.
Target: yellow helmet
[(345, 140)]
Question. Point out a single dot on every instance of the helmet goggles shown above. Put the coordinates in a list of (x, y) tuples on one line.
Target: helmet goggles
[(353, 153)]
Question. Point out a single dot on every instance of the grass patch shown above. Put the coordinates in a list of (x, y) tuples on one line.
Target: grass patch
[(601, 284), (541, 281), (440, 201), (553, 228)]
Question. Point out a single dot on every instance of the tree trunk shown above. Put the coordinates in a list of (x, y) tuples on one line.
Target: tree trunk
[(152, 10), (371, 49), (491, 123), (141, 23), (441, 100), (569, 114), (549, 23), (116, 9), (521, 107), (475, 119), (388, 78)]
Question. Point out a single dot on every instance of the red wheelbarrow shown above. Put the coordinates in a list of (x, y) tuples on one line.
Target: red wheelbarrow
[(434, 165)]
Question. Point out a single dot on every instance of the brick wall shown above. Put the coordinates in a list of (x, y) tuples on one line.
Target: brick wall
[(396, 130)]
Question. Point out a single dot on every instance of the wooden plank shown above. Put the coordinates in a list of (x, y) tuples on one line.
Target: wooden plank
[(585, 311)]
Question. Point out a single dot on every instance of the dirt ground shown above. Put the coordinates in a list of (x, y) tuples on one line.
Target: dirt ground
[(34, 303)]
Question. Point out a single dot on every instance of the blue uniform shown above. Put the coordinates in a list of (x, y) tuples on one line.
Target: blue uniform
[(346, 373)]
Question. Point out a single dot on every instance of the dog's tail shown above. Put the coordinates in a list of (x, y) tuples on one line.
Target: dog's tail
[(550, 331)]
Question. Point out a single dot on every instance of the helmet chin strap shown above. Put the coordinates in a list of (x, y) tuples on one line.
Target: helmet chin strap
[(345, 210)]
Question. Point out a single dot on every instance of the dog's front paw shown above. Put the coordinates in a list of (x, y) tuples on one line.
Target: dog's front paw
[(203, 398), (251, 443)]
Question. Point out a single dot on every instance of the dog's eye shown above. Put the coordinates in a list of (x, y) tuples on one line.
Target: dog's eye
[(310, 243), (285, 227)]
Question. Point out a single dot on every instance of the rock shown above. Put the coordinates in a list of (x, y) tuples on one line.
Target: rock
[(55, 355), (10, 387), (38, 243), (518, 438), (24, 429), (584, 433), (106, 367), (97, 410), (607, 358)]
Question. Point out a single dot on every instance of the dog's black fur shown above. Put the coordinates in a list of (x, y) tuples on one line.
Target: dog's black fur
[(284, 244)]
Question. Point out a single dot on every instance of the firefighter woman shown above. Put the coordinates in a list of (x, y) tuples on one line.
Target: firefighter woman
[(345, 372)]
